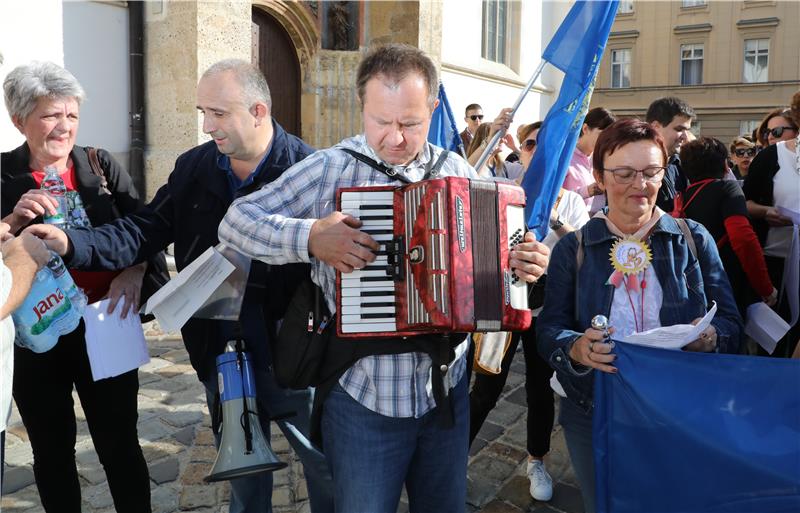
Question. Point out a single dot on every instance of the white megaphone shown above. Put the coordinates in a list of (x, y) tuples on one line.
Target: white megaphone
[(243, 450)]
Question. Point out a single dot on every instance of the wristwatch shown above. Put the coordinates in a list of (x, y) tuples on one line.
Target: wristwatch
[(557, 224)]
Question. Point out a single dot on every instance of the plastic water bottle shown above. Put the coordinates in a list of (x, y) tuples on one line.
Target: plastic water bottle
[(53, 307), (54, 185)]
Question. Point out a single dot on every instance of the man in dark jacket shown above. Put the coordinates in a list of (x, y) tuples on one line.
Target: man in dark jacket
[(248, 150), (672, 119)]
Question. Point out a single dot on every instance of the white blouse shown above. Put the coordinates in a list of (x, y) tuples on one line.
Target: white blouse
[(626, 307), (785, 193)]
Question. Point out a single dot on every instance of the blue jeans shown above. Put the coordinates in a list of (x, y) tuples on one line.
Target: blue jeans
[(253, 494), (577, 427), (371, 456)]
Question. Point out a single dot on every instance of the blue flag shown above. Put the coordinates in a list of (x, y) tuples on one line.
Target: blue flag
[(576, 49), (443, 132), (676, 431)]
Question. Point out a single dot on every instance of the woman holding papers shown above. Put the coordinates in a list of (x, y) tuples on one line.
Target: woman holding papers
[(634, 264), (43, 101), (773, 184)]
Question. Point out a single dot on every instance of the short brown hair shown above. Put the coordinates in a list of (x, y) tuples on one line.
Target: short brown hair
[(599, 117), (703, 158), (622, 132), (396, 61)]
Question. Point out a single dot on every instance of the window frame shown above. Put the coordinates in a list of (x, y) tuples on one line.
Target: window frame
[(495, 36), (693, 47), (623, 67), (622, 4), (756, 56)]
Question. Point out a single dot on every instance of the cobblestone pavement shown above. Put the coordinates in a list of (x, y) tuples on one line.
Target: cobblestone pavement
[(178, 445)]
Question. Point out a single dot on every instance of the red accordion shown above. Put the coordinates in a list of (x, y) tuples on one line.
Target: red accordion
[(443, 261)]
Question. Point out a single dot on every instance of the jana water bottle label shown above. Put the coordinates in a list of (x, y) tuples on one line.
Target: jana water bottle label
[(45, 315)]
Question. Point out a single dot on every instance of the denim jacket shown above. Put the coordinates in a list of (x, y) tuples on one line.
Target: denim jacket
[(689, 285)]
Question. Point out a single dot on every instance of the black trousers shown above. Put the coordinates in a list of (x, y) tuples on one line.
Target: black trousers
[(541, 410), (43, 392)]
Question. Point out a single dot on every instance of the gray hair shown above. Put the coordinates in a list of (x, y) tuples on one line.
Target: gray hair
[(27, 83), (253, 83)]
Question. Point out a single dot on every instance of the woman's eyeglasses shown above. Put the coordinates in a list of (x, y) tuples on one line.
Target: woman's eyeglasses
[(777, 131), (529, 144), (749, 152), (476, 117), (627, 174)]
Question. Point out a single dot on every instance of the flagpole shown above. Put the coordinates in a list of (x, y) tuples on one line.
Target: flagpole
[(501, 133)]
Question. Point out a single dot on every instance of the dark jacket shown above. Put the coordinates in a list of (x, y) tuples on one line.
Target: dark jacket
[(99, 205), (674, 182), (689, 285), (758, 186), (187, 211)]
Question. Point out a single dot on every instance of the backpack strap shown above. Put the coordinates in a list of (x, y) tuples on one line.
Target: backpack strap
[(97, 169), (687, 234)]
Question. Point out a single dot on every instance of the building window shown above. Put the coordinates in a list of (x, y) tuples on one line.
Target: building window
[(691, 64), (693, 3), (756, 60), (495, 30), (748, 126), (621, 68), (625, 7)]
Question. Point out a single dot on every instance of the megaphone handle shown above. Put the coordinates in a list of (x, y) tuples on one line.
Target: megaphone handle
[(248, 433)]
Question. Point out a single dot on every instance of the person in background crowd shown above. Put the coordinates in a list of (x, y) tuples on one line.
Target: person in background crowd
[(496, 164), (672, 119), (249, 149), (671, 288), (777, 125), (569, 213), (579, 174), (719, 205), (742, 153), (772, 182), (44, 100), (473, 116), (388, 420), (20, 258)]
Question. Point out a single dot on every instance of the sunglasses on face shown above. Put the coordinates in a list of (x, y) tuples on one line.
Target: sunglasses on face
[(628, 174), (529, 144), (742, 152), (476, 117), (777, 131)]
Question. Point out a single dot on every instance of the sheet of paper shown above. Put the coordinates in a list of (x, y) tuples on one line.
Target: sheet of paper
[(181, 297), (765, 326), (114, 345), (671, 337), (791, 214), (791, 277), (226, 302)]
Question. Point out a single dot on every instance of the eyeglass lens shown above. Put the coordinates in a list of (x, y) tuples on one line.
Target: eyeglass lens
[(476, 117)]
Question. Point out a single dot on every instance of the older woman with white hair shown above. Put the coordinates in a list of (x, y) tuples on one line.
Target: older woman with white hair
[(44, 101)]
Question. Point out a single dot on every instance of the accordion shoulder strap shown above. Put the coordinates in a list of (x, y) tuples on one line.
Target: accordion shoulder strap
[(431, 169)]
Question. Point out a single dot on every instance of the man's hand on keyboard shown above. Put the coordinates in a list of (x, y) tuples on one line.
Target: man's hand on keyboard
[(529, 258), (337, 241)]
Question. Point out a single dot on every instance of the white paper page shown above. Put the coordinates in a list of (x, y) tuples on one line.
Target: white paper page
[(791, 277), (791, 214), (184, 294), (765, 326), (672, 337), (114, 345)]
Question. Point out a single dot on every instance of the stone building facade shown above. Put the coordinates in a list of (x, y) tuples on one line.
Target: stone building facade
[(732, 61)]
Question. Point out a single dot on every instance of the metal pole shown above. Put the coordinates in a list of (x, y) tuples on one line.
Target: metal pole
[(500, 133)]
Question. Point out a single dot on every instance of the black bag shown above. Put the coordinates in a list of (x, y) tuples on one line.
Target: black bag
[(299, 350)]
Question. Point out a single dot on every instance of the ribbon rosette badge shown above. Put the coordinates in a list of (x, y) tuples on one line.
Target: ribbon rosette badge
[(628, 257)]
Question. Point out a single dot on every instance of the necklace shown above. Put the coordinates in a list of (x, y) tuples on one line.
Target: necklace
[(631, 257)]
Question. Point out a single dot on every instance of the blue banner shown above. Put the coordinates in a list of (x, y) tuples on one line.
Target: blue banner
[(443, 131), (676, 431), (576, 49)]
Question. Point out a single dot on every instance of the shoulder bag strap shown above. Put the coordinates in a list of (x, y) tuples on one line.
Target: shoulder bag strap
[(687, 234)]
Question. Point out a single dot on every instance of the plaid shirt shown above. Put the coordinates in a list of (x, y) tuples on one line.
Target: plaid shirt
[(273, 225)]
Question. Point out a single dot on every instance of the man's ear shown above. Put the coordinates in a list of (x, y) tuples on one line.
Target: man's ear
[(260, 111)]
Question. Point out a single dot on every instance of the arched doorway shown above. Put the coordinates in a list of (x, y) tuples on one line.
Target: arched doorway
[(276, 57)]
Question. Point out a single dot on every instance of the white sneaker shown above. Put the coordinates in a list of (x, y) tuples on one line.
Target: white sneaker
[(541, 482)]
